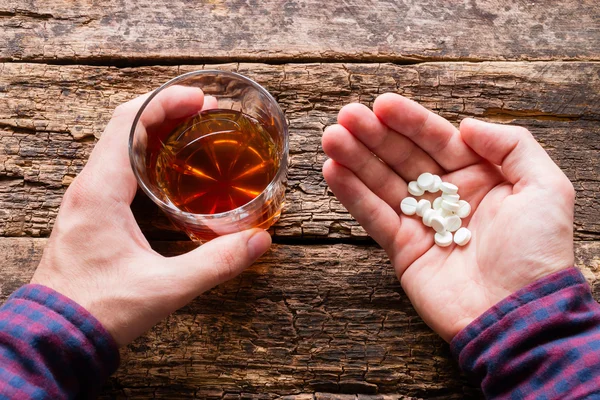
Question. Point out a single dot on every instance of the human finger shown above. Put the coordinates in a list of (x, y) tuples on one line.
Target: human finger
[(210, 103), (109, 167), (404, 239), (429, 131), (340, 145), (396, 150), (515, 150), (219, 260)]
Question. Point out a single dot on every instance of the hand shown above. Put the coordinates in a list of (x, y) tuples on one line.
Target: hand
[(97, 255), (522, 204)]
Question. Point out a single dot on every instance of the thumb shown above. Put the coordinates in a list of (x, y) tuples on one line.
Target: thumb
[(220, 260), (514, 149)]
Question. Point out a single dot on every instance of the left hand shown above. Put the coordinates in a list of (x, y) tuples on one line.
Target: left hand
[(522, 204), (97, 255)]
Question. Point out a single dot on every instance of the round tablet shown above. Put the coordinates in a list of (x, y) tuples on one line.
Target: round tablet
[(443, 239), (464, 209), (437, 181), (445, 213), (429, 214), (450, 206), (438, 223), (422, 206), (462, 236), (414, 189), (449, 188), (409, 206), (453, 222), (437, 203), (425, 181), (452, 198)]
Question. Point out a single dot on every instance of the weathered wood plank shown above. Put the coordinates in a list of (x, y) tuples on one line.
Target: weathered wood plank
[(49, 114), (303, 319), (229, 30)]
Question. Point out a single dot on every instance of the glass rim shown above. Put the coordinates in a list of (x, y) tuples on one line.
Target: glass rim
[(282, 163)]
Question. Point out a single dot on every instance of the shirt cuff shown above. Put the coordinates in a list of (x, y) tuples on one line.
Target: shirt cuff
[(482, 327), (101, 346)]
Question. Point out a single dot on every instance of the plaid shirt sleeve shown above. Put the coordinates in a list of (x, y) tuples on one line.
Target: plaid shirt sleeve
[(542, 342), (52, 348)]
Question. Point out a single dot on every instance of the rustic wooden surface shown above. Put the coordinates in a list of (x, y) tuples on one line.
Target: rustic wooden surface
[(322, 315), (115, 31), (49, 115), (348, 328)]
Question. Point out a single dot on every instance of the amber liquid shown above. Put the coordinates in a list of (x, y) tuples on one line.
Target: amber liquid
[(216, 162)]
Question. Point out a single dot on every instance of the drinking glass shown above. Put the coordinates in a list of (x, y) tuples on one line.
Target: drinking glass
[(233, 92)]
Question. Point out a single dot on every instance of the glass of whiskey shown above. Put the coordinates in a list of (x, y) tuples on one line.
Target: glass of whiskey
[(213, 170)]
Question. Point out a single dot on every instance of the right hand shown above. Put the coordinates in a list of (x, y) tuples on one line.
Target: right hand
[(522, 204), (97, 255)]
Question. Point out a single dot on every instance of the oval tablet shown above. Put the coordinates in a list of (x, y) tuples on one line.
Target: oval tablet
[(443, 239), (414, 189), (408, 206), (462, 236), (449, 188)]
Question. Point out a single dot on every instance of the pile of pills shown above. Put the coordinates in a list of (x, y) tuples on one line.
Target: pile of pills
[(444, 215)]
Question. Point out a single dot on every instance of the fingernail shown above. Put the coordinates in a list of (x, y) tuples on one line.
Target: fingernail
[(258, 243)]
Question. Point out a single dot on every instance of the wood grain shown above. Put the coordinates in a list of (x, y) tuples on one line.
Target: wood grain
[(125, 33), (348, 328), (50, 114)]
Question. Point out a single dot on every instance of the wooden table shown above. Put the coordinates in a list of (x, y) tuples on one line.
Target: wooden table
[(322, 315)]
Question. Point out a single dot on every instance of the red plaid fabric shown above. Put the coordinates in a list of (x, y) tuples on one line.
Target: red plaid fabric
[(52, 348), (542, 342)]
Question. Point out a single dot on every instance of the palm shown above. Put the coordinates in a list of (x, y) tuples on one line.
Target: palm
[(449, 287)]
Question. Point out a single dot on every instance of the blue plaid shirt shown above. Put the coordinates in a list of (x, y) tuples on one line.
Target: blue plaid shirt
[(542, 342), (52, 348)]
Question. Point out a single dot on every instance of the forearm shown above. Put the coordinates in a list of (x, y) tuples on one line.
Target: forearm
[(541, 342), (51, 348)]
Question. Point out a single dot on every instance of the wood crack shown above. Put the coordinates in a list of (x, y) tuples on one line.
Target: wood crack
[(36, 140), (43, 16), (503, 115)]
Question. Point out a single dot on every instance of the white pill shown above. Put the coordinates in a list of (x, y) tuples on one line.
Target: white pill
[(464, 209), (445, 213), (438, 223), (414, 189), (422, 206), (437, 203), (409, 206), (449, 188), (429, 214), (462, 236), (443, 239), (437, 181), (450, 206), (452, 198), (425, 181), (453, 222)]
